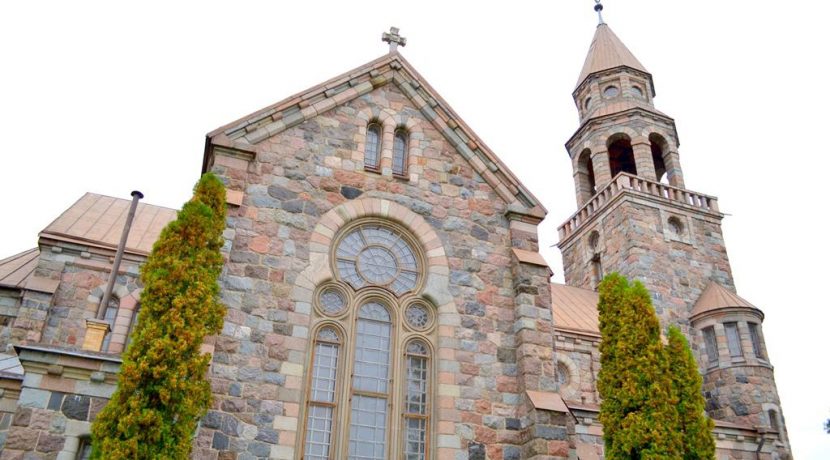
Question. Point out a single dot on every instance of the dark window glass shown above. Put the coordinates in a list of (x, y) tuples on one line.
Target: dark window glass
[(756, 340), (711, 344), (733, 339), (372, 155), (399, 153)]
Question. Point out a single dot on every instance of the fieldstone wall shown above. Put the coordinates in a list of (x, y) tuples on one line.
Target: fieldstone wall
[(79, 278), (9, 306), (580, 357), (61, 394), (297, 176), (636, 241)]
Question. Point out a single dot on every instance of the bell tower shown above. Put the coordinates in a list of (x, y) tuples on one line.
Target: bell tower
[(635, 216)]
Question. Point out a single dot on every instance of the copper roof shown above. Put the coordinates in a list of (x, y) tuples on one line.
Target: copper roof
[(16, 270), (98, 220), (575, 309), (607, 52), (717, 297)]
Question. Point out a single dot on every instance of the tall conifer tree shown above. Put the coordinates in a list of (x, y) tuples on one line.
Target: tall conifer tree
[(638, 411), (695, 426), (163, 388)]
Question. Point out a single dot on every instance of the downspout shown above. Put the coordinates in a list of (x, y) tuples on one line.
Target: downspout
[(102, 308)]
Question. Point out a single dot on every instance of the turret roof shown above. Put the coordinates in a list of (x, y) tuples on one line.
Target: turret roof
[(716, 297), (607, 51)]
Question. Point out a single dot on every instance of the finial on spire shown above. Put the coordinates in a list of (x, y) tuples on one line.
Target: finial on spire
[(598, 9), (394, 39)]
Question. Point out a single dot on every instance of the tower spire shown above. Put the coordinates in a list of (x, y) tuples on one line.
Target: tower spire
[(598, 9)]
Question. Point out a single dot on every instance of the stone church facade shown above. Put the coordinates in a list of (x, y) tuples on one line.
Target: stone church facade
[(386, 296)]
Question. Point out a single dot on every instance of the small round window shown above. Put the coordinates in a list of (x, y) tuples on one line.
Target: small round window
[(418, 316), (377, 255), (563, 375), (587, 103), (611, 91), (637, 92), (675, 225), (332, 301)]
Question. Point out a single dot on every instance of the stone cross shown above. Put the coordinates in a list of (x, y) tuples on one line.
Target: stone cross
[(394, 39)]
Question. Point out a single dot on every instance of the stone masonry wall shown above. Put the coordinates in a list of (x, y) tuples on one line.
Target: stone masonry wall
[(300, 174), (59, 318), (636, 241)]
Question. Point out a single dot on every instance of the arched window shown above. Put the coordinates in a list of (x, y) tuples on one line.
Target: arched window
[(399, 152), (369, 396), (658, 150), (621, 157), (773, 422), (586, 182), (321, 402), (371, 157)]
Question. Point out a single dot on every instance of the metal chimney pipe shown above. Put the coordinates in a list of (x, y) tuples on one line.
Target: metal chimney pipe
[(102, 308)]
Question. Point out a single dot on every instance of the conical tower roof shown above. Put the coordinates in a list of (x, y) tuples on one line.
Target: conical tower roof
[(607, 51), (717, 297)]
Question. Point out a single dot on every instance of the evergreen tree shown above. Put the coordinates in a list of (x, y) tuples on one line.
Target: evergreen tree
[(695, 426), (162, 388), (638, 412)]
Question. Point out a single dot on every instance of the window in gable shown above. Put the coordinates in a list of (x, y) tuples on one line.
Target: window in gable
[(371, 159), (399, 152)]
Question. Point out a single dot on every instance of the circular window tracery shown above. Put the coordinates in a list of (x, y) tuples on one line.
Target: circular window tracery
[(373, 254), (418, 316), (332, 301), (611, 91)]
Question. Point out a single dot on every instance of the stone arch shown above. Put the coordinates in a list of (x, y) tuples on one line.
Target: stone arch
[(621, 153), (436, 285), (659, 152), (586, 184), (572, 390), (434, 289), (665, 157), (127, 303)]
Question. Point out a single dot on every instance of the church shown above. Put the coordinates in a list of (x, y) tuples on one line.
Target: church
[(386, 296)]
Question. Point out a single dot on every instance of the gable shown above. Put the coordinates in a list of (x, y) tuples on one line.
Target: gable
[(249, 133)]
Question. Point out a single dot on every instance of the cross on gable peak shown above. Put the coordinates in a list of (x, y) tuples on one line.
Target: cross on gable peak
[(394, 39)]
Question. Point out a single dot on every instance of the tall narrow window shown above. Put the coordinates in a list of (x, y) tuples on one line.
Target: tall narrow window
[(399, 153), (371, 158), (370, 383), (109, 316), (596, 270), (711, 344), (321, 405), (773, 422), (755, 336), (84, 449), (416, 402), (733, 339)]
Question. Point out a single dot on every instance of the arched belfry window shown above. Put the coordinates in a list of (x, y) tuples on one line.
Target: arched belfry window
[(370, 389), (621, 156)]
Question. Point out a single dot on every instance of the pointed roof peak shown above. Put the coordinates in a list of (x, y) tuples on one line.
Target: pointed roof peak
[(717, 297), (607, 51)]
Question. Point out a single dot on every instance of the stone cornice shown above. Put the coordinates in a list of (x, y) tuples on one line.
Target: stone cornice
[(593, 123)]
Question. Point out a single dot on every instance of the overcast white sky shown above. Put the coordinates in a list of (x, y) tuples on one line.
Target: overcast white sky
[(109, 97)]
